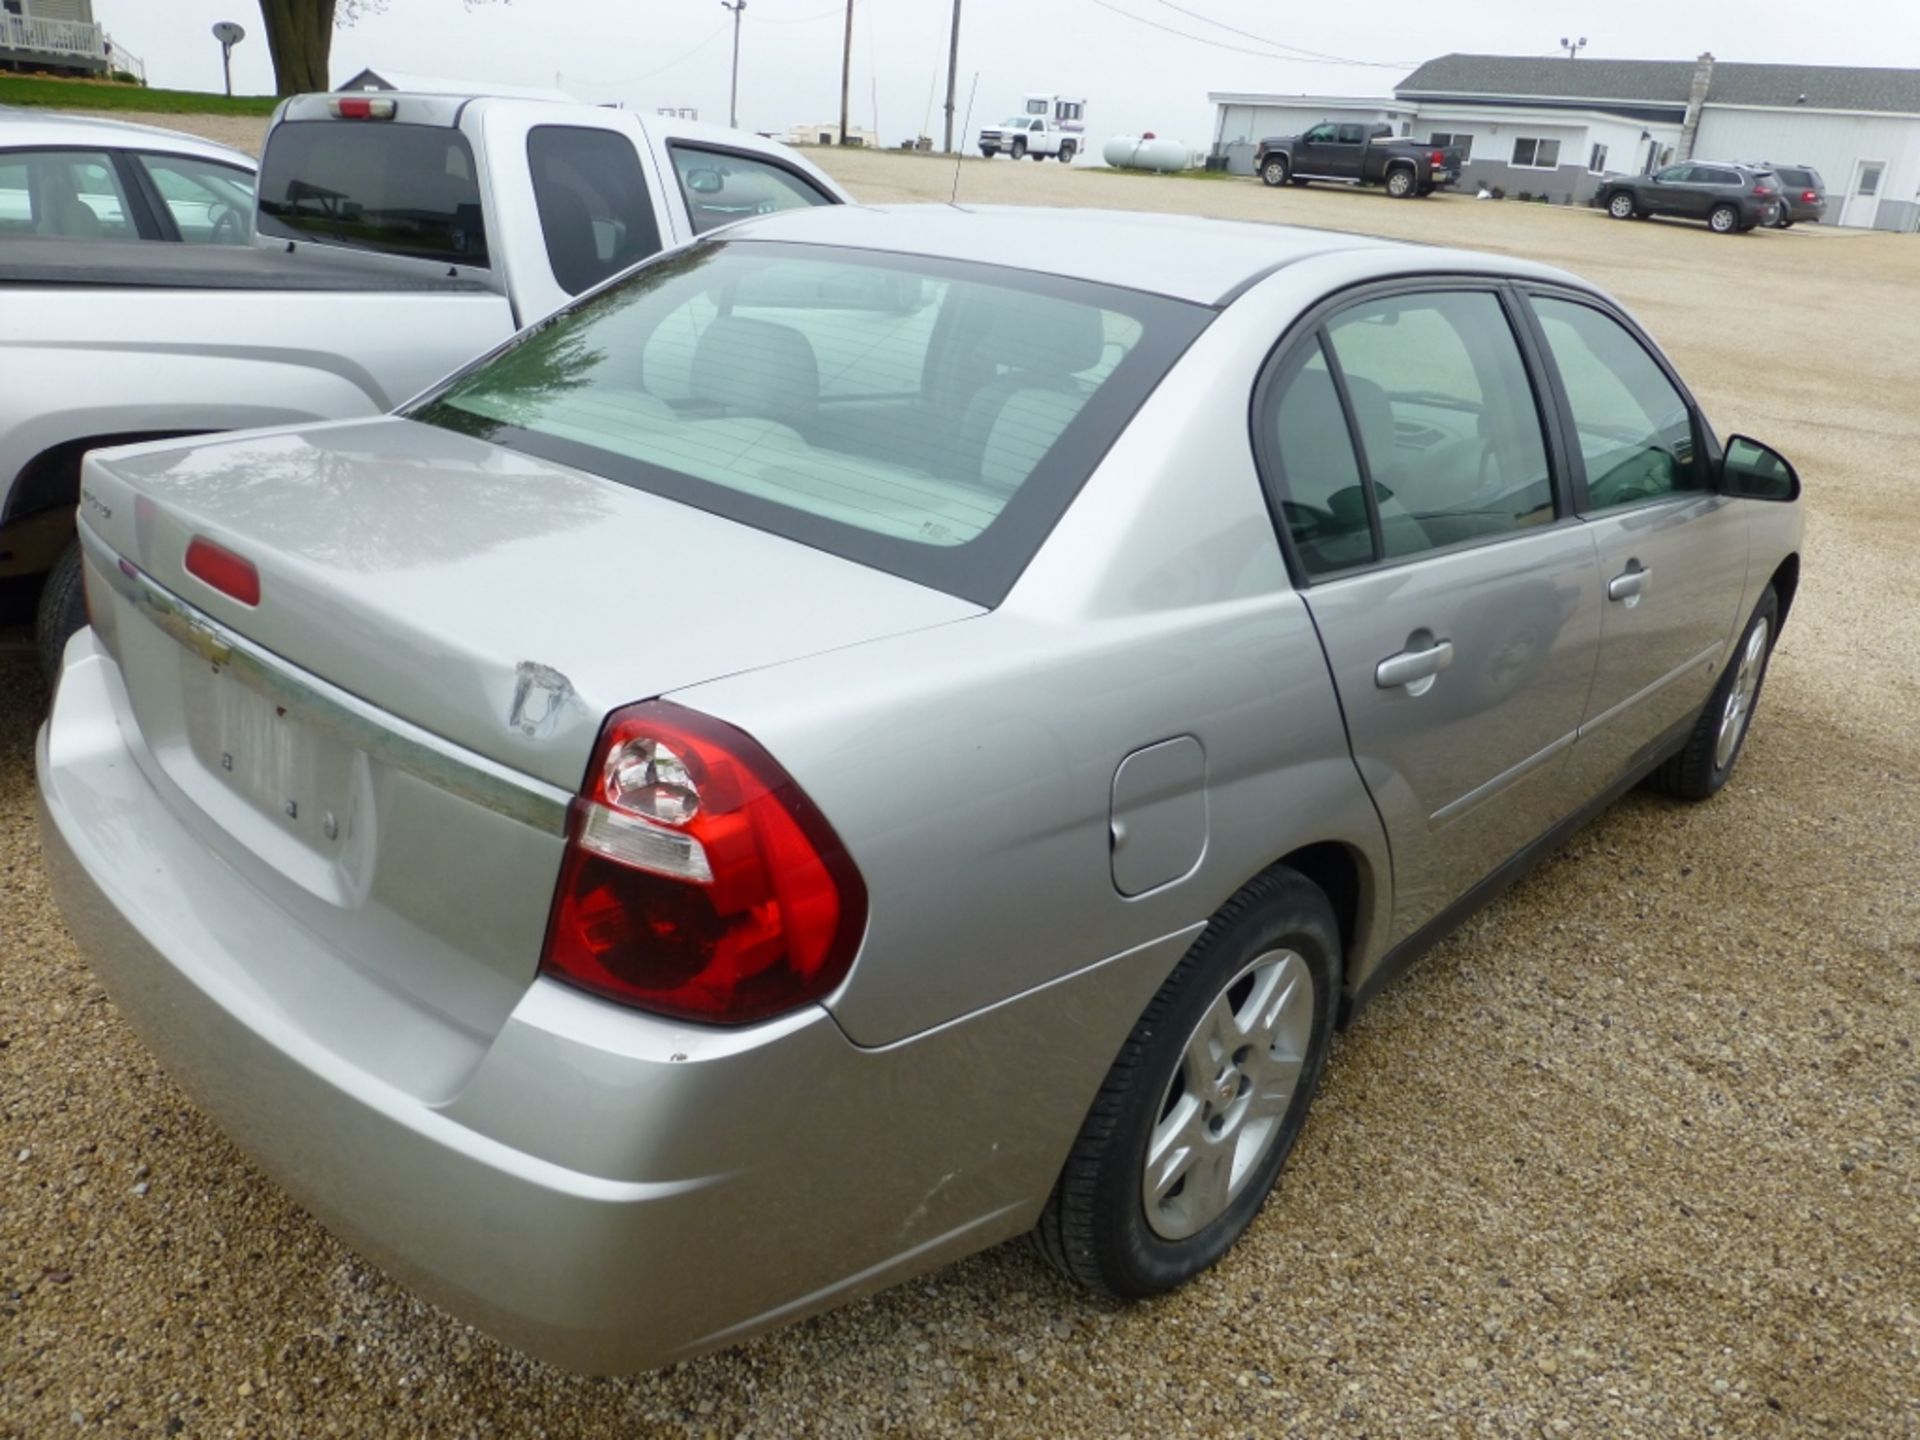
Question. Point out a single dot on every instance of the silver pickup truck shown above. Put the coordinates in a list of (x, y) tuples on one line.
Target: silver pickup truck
[(397, 236)]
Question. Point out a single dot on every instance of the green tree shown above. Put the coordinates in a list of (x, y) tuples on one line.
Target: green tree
[(300, 38)]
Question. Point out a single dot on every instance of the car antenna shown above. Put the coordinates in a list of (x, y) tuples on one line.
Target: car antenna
[(966, 129)]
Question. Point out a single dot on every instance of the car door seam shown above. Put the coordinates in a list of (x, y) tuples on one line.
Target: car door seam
[(1612, 712)]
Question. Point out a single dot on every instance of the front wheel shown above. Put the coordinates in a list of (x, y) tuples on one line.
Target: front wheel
[(1400, 183), (1197, 1115), (1019, 149), (1275, 171), (1621, 206), (1707, 760), (1725, 220)]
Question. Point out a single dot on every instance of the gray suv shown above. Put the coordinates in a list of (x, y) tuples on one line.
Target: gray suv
[(1730, 198)]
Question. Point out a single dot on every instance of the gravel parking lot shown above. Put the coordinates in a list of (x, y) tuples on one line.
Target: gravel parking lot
[(1635, 1153)]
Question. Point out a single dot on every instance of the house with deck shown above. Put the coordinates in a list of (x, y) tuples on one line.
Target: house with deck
[(58, 37)]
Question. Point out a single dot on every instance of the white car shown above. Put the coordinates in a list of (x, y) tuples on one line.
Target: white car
[(76, 178)]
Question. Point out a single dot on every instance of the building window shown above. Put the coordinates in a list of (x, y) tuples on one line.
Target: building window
[(13, 7), (1597, 162), (1531, 154), (1464, 143)]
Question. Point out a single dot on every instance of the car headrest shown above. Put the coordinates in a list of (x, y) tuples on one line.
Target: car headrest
[(1044, 336), (754, 367), (1373, 412)]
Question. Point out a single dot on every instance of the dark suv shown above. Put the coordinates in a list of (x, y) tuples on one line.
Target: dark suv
[(1803, 194), (1730, 198)]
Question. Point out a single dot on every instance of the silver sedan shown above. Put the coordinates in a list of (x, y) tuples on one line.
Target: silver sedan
[(875, 733)]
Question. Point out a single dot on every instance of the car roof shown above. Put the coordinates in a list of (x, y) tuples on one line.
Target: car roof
[(1187, 257), (22, 127)]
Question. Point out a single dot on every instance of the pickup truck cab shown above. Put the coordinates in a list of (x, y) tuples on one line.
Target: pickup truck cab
[(398, 237), (1357, 155), (1035, 136)]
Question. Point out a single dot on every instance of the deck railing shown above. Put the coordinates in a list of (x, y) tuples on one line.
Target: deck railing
[(52, 37)]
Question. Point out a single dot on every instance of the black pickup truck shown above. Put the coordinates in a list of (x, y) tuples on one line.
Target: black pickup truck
[(1358, 155)]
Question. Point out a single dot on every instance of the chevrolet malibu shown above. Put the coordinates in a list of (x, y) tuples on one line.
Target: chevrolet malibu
[(851, 742)]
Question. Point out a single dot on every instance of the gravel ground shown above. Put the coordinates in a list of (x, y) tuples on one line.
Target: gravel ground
[(1632, 1154)]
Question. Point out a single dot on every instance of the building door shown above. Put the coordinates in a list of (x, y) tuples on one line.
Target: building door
[(1863, 196)]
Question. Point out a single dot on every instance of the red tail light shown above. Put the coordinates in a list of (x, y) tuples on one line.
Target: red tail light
[(1763, 189), (1809, 196), (223, 570), (360, 107), (1439, 158), (699, 881)]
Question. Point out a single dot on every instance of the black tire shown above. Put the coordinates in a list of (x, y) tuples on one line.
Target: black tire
[(1067, 151), (1698, 770), (1275, 170), (1095, 1228), (63, 610), (1621, 205), (986, 152), (1401, 184), (1725, 220), (1019, 149)]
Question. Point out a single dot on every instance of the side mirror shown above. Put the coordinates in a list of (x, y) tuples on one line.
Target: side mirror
[(706, 182), (1754, 471)]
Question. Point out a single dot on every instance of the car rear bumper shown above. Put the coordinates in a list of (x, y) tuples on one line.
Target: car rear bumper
[(607, 1191)]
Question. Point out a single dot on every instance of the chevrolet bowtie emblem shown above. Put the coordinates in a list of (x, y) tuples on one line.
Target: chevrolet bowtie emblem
[(204, 643)]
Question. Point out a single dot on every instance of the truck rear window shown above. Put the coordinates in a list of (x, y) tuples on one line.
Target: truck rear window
[(374, 185), (929, 418)]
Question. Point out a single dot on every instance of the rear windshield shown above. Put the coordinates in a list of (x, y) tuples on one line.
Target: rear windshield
[(1798, 178), (928, 418), (374, 185)]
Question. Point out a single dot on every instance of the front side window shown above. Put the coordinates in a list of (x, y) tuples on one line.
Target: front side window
[(1634, 428), (1446, 418), (1674, 175), (1320, 135), (928, 418), (70, 194), (211, 204), (721, 186), (595, 212), (1534, 154), (384, 186)]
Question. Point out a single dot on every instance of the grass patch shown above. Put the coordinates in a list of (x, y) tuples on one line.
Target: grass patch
[(44, 93)]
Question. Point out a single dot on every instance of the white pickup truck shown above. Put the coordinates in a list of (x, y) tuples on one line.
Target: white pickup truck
[(397, 237)]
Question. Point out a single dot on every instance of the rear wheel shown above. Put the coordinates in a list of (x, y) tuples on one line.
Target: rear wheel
[(63, 610), (1708, 758), (1200, 1110), (1067, 149), (1400, 183), (1724, 219), (1276, 171), (1621, 206)]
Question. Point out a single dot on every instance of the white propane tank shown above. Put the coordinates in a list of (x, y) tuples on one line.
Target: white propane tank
[(1127, 152)]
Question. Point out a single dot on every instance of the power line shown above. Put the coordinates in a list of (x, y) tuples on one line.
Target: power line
[(1244, 50), (1264, 40), (649, 74), (797, 19)]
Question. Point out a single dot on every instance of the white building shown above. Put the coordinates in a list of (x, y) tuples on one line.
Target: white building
[(1553, 126)]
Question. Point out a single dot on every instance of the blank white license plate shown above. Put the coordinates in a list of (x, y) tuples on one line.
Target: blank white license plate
[(269, 756)]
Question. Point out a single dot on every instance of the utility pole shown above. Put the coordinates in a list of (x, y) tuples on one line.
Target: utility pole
[(846, 72), (953, 66), (733, 95)]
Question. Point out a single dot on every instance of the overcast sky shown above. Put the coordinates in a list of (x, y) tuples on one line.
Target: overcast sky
[(650, 53)]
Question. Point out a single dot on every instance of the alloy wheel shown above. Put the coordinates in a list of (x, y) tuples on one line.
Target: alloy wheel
[(1738, 710)]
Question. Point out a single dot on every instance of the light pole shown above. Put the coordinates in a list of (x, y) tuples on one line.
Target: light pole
[(953, 65), (846, 72), (733, 94), (1573, 47)]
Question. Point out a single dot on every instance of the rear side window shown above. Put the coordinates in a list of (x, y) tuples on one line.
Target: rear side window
[(375, 185), (721, 185), (927, 418), (1634, 427), (595, 212), (1311, 452)]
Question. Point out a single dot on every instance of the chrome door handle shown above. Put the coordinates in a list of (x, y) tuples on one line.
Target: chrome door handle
[(1414, 669), (1628, 584)]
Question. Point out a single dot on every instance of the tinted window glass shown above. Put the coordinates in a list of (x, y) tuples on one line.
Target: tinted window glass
[(375, 185), (16, 199), (1349, 134), (1636, 435), (927, 418), (210, 204), (1446, 418), (1310, 452), (720, 186), (595, 213)]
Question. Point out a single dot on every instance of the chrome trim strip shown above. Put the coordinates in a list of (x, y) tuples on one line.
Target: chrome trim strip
[(1475, 796), (384, 737), (1612, 712)]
